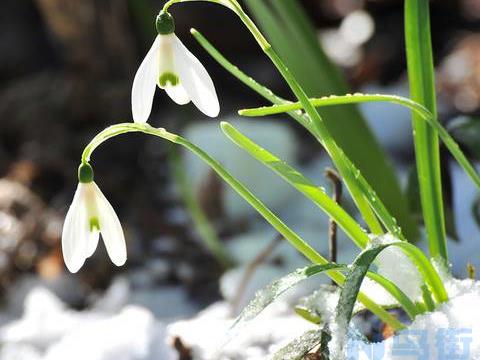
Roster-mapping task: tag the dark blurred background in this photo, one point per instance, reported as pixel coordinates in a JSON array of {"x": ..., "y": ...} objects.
[{"x": 66, "y": 69}]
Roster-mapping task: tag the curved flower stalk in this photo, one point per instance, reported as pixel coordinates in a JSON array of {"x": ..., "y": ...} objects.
[
  {"x": 173, "y": 68},
  {"x": 89, "y": 216}
]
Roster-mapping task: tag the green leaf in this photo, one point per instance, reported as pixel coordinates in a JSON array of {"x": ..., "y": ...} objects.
[
  {"x": 351, "y": 287},
  {"x": 420, "y": 110},
  {"x": 358, "y": 271},
  {"x": 289, "y": 28},
  {"x": 307, "y": 315},
  {"x": 269, "y": 294},
  {"x": 422, "y": 90},
  {"x": 301, "y": 183}
]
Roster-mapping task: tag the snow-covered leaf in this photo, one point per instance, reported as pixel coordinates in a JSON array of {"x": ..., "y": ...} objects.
[
  {"x": 269, "y": 294},
  {"x": 351, "y": 288},
  {"x": 299, "y": 347}
]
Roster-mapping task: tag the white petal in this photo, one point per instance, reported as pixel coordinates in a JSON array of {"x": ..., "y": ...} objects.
[
  {"x": 75, "y": 232},
  {"x": 178, "y": 94},
  {"x": 144, "y": 85},
  {"x": 195, "y": 80},
  {"x": 111, "y": 229},
  {"x": 92, "y": 243}
]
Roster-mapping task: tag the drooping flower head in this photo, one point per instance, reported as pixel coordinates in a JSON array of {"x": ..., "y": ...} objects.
[
  {"x": 173, "y": 68},
  {"x": 90, "y": 215}
]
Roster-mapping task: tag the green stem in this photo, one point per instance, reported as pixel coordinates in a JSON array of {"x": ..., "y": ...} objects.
[
  {"x": 295, "y": 240},
  {"x": 422, "y": 90},
  {"x": 329, "y": 143}
]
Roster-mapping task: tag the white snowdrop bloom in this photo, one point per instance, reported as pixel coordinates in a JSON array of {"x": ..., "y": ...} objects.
[
  {"x": 89, "y": 216},
  {"x": 172, "y": 67}
]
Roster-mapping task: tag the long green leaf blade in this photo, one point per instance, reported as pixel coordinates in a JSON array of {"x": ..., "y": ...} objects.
[
  {"x": 295, "y": 240},
  {"x": 422, "y": 90},
  {"x": 301, "y": 183},
  {"x": 423, "y": 115},
  {"x": 350, "y": 290}
]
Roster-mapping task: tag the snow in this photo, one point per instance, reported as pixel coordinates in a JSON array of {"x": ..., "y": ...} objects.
[
  {"x": 49, "y": 330},
  {"x": 396, "y": 266},
  {"x": 260, "y": 339},
  {"x": 450, "y": 332}
]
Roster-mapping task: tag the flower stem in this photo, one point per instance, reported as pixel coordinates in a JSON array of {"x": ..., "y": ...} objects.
[{"x": 295, "y": 240}]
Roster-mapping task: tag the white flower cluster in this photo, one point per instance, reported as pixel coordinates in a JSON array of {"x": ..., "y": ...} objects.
[{"x": 173, "y": 68}]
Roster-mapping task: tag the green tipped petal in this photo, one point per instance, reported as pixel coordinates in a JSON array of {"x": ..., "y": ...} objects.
[
  {"x": 168, "y": 78},
  {"x": 94, "y": 224}
]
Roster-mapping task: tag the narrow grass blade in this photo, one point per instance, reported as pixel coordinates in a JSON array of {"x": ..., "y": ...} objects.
[
  {"x": 427, "y": 298},
  {"x": 402, "y": 299},
  {"x": 301, "y": 183},
  {"x": 312, "y": 192},
  {"x": 422, "y": 113},
  {"x": 288, "y": 27},
  {"x": 358, "y": 271},
  {"x": 422, "y": 90}
]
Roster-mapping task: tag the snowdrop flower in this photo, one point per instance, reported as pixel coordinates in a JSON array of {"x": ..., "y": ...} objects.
[
  {"x": 89, "y": 215},
  {"x": 171, "y": 66}
]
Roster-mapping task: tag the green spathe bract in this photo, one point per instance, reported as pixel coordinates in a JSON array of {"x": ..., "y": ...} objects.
[
  {"x": 165, "y": 24},
  {"x": 85, "y": 173}
]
